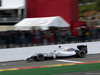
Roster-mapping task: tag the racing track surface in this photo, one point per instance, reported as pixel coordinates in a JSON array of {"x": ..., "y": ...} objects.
[{"x": 22, "y": 64}]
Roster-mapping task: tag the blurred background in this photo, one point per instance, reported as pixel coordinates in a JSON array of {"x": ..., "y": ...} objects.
[
  {"x": 82, "y": 15},
  {"x": 90, "y": 11}
]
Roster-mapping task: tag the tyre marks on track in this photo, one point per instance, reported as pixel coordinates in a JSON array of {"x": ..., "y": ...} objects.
[{"x": 69, "y": 61}]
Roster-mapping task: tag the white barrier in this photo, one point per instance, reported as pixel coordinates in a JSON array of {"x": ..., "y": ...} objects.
[{"x": 13, "y": 54}]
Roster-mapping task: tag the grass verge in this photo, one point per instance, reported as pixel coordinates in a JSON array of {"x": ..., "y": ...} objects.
[{"x": 54, "y": 70}]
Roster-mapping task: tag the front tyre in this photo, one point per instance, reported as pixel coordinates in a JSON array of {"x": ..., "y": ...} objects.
[{"x": 40, "y": 57}]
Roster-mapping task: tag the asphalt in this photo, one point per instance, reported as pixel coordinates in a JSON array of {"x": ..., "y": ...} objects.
[{"x": 22, "y": 64}]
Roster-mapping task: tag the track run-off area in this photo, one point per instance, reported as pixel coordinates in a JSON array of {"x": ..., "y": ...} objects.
[{"x": 47, "y": 67}]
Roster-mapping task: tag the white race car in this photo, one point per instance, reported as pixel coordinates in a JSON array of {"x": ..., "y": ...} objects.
[{"x": 81, "y": 52}]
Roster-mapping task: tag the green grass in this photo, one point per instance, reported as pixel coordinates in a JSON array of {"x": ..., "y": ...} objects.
[
  {"x": 90, "y": 7},
  {"x": 85, "y": 8},
  {"x": 54, "y": 70}
]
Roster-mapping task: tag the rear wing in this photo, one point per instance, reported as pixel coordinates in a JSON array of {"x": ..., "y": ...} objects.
[{"x": 82, "y": 47}]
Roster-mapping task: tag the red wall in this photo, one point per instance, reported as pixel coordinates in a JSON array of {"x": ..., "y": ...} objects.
[{"x": 68, "y": 9}]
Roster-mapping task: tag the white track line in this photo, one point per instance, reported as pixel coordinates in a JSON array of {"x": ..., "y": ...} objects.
[{"x": 69, "y": 61}]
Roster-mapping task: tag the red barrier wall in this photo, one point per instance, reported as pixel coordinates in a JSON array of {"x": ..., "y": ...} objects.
[{"x": 68, "y": 9}]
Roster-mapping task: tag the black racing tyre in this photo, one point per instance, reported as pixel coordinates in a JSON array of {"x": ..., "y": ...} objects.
[
  {"x": 40, "y": 57},
  {"x": 80, "y": 54}
]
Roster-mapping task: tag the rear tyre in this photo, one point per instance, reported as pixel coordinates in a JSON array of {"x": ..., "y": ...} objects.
[
  {"x": 80, "y": 54},
  {"x": 40, "y": 57}
]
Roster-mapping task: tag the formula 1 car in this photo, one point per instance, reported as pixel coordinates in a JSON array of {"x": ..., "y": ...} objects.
[{"x": 81, "y": 52}]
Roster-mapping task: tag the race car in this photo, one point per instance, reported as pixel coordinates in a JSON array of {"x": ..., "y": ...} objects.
[{"x": 81, "y": 52}]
